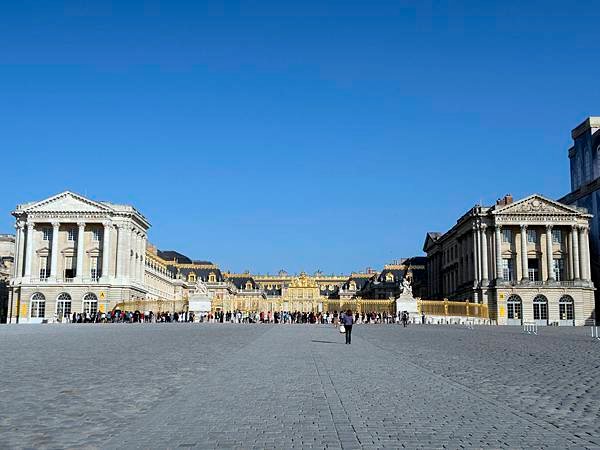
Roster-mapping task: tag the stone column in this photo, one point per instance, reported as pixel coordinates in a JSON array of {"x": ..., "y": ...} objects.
[
  {"x": 54, "y": 251},
  {"x": 80, "y": 248},
  {"x": 119, "y": 250},
  {"x": 588, "y": 262},
  {"x": 484, "y": 254},
  {"x": 524, "y": 263},
  {"x": 498, "y": 237},
  {"x": 18, "y": 255},
  {"x": 142, "y": 258},
  {"x": 570, "y": 255},
  {"x": 475, "y": 254},
  {"x": 132, "y": 252},
  {"x": 583, "y": 254},
  {"x": 549, "y": 256},
  {"x": 29, "y": 250},
  {"x": 106, "y": 251},
  {"x": 575, "y": 240}
]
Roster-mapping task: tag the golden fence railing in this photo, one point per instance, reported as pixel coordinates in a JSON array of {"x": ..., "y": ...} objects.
[{"x": 450, "y": 308}]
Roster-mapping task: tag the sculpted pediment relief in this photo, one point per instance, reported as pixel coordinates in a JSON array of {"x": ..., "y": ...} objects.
[
  {"x": 536, "y": 204},
  {"x": 67, "y": 201}
]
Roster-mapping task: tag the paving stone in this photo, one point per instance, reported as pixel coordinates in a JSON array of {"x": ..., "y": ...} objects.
[{"x": 263, "y": 386}]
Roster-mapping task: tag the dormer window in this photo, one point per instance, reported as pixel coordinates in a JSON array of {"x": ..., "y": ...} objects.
[
  {"x": 248, "y": 284},
  {"x": 389, "y": 277},
  {"x": 352, "y": 285},
  {"x": 192, "y": 277},
  {"x": 212, "y": 278}
]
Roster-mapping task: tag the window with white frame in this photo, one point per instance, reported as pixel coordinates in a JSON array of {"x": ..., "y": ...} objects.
[
  {"x": 507, "y": 236},
  {"x": 69, "y": 267},
  {"x": 47, "y": 233},
  {"x": 557, "y": 236},
  {"x": 94, "y": 273},
  {"x": 63, "y": 305},
  {"x": 507, "y": 269},
  {"x": 72, "y": 234},
  {"x": 44, "y": 269},
  {"x": 90, "y": 304},
  {"x": 558, "y": 266},
  {"x": 38, "y": 306},
  {"x": 96, "y": 234},
  {"x": 533, "y": 269},
  {"x": 531, "y": 236}
]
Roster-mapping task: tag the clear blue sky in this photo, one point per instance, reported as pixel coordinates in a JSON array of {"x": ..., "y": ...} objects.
[{"x": 299, "y": 135}]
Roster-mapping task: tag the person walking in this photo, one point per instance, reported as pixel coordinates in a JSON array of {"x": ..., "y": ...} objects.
[{"x": 347, "y": 321}]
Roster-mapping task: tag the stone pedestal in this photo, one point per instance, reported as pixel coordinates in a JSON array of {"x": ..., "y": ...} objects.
[
  {"x": 200, "y": 304},
  {"x": 409, "y": 304}
]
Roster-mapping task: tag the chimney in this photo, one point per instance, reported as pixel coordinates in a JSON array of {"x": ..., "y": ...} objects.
[{"x": 506, "y": 200}]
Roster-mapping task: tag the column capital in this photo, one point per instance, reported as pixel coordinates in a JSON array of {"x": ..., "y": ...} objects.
[
  {"x": 107, "y": 223},
  {"x": 19, "y": 225},
  {"x": 55, "y": 223},
  {"x": 30, "y": 224},
  {"x": 549, "y": 226},
  {"x": 483, "y": 226},
  {"x": 80, "y": 223},
  {"x": 523, "y": 226},
  {"x": 498, "y": 227}
]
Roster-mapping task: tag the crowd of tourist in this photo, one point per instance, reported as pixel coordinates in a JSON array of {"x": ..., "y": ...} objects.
[{"x": 277, "y": 317}]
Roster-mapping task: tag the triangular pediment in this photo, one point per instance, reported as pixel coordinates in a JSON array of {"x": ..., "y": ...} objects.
[
  {"x": 536, "y": 204},
  {"x": 67, "y": 202}
]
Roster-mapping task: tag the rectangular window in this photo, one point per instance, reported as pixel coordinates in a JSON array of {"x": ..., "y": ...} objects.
[
  {"x": 44, "y": 270},
  {"x": 557, "y": 237},
  {"x": 72, "y": 234},
  {"x": 558, "y": 265},
  {"x": 47, "y": 231},
  {"x": 507, "y": 236},
  {"x": 507, "y": 269},
  {"x": 96, "y": 234},
  {"x": 94, "y": 274},
  {"x": 531, "y": 236},
  {"x": 533, "y": 269},
  {"x": 69, "y": 269}
]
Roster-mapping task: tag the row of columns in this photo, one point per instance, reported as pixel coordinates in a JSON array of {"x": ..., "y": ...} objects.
[
  {"x": 130, "y": 256},
  {"x": 578, "y": 253}
]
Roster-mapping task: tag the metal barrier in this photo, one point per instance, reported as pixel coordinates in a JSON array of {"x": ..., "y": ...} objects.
[
  {"x": 595, "y": 334},
  {"x": 446, "y": 308},
  {"x": 530, "y": 328}
]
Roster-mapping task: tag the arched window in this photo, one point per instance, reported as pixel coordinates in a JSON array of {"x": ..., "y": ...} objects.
[
  {"x": 389, "y": 277},
  {"x": 248, "y": 284},
  {"x": 63, "y": 305},
  {"x": 353, "y": 285},
  {"x": 90, "y": 303},
  {"x": 540, "y": 309},
  {"x": 38, "y": 306},
  {"x": 566, "y": 310},
  {"x": 212, "y": 278},
  {"x": 514, "y": 310}
]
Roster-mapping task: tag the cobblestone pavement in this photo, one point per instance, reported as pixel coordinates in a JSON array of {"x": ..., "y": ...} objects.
[{"x": 262, "y": 386}]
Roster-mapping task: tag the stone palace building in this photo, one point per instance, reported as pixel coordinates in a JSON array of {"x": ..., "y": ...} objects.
[
  {"x": 73, "y": 254},
  {"x": 528, "y": 260}
]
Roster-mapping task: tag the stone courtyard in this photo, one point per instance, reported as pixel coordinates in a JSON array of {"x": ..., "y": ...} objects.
[{"x": 297, "y": 386}]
